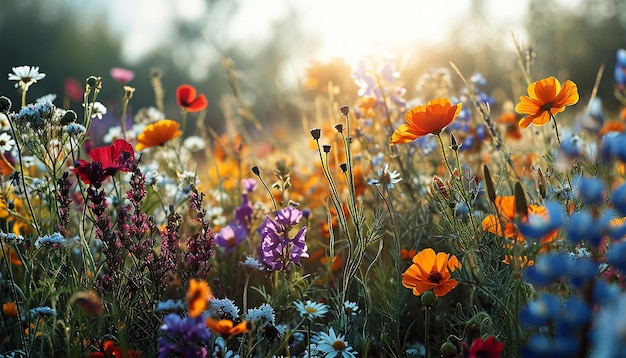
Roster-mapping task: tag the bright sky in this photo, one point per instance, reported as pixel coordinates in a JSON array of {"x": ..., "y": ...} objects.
[{"x": 345, "y": 28}]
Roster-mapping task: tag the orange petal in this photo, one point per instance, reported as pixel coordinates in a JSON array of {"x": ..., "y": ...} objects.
[{"x": 568, "y": 95}]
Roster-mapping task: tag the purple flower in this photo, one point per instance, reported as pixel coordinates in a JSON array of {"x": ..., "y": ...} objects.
[
  {"x": 276, "y": 248},
  {"x": 230, "y": 236},
  {"x": 186, "y": 337},
  {"x": 249, "y": 185}
]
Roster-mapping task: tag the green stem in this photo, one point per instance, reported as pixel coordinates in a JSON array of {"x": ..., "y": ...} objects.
[
  {"x": 123, "y": 119},
  {"x": 427, "y": 331},
  {"x": 24, "y": 90}
]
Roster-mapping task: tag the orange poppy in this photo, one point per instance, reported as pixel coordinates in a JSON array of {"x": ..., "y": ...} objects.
[
  {"x": 431, "y": 271},
  {"x": 545, "y": 98},
  {"x": 188, "y": 99},
  {"x": 506, "y": 207},
  {"x": 9, "y": 309},
  {"x": 407, "y": 255},
  {"x": 612, "y": 126},
  {"x": 158, "y": 133},
  {"x": 198, "y": 295},
  {"x": 226, "y": 327},
  {"x": 426, "y": 119}
]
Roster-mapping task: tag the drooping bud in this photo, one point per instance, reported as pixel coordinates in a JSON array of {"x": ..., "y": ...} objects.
[{"x": 316, "y": 133}]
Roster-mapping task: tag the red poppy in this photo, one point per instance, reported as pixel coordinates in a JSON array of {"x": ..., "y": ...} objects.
[
  {"x": 106, "y": 161},
  {"x": 188, "y": 100},
  {"x": 488, "y": 348},
  {"x": 110, "y": 349}
]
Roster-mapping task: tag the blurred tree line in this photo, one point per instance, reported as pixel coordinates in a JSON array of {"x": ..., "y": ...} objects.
[{"x": 51, "y": 34}]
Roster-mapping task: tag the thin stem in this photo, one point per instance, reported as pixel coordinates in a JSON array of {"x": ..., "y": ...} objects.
[
  {"x": 24, "y": 90},
  {"x": 126, "y": 99},
  {"x": 427, "y": 331}
]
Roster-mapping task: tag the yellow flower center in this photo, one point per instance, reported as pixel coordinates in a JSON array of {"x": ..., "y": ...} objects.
[
  {"x": 434, "y": 276},
  {"x": 339, "y": 345},
  {"x": 310, "y": 310}
]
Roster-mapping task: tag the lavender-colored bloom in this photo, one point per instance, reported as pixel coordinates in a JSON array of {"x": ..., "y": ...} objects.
[
  {"x": 54, "y": 240},
  {"x": 249, "y": 185},
  {"x": 276, "y": 248},
  {"x": 170, "y": 306},
  {"x": 74, "y": 129},
  {"x": 11, "y": 238},
  {"x": 223, "y": 308},
  {"x": 230, "y": 236}
]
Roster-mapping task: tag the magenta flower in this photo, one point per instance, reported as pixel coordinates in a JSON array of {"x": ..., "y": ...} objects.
[
  {"x": 230, "y": 236},
  {"x": 122, "y": 75}
]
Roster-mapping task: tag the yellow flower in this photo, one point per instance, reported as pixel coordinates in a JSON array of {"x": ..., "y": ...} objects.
[
  {"x": 430, "y": 118},
  {"x": 431, "y": 271},
  {"x": 158, "y": 133},
  {"x": 198, "y": 295},
  {"x": 226, "y": 327},
  {"x": 545, "y": 99}
]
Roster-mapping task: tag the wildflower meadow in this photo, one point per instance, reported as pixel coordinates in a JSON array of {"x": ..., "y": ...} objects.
[{"x": 448, "y": 223}]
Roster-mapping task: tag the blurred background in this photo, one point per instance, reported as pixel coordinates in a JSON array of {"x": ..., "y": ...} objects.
[{"x": 286, "y": 50}]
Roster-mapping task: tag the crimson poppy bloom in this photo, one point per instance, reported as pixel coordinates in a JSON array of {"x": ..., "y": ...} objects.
[
  {"x": 489, "y": 348},
  {"x": 188, "y": 100},
  {"x": 110, "y": 349},
  {"x": 106, "y": 161}
]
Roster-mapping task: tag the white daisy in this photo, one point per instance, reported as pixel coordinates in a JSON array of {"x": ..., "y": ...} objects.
[
  {"x": 6, "y": 142},
  {"x": 97, "y": 110},
  {"x": 386, "y": 178},
  {"x": 112, "y": 134},
  {"x": 311, "y": 309},
  {"x": 351, "y": 308},
  {"x": 194, "y": 143},
  {"x": 26, "y": 76},
  {"x": 334, "y": 345}
]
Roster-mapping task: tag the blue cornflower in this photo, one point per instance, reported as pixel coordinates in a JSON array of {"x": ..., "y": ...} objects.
[
  {"x": 608, "y": 330},
  {"x": 186, "y": 337},
  {"x": 170, "y": 306},
  {"x": 540, "y": 311},
  {"x": 43, "y": 311},
  {"x": 53, "y": 240},
  {"x": 547, "y": 268},
  {"x": 74, "y": 129},
  {"x": 591, "y": 190},
  {"x": 582, "y": 226},
  {"x": 613, "y": 147},
  {"x": 264, "y": 314},
  {"x": 617, "y": 256},
  {"x": 538, "y": 226},
  {"x": 618, "y": 198},
  {"x": 223, "y": 308}
]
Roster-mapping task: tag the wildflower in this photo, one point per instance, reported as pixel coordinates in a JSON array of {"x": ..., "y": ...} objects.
[
  {"x": 106, "y": 161},
  {"x": 431, "y": 270},
  {"x": 276, "y": 248},
  {"x": 185, "y": 337},
  {"x": 333, "y": 345},
  {"x": 431, "y": 118},
  {"x": 9, "y": 309},
  {"x": 198, "y": 294},
  {"x": 43, "y": 311},
  {"x": 6, "y": 142},
  {"x": 619, "y": 74},
  {"x": 73, "y": 89},
  {"x": 170, "y": 306},
  {"x": 545, "y": 99},
  {"x": 10, "y": 238},
  {"x": 121, "y": 75},
  {"x": 350, "y": 308},
  {"x": 188, "y": 100},
  {"x": 158, "y": 133},
  {"x": 26, "y": 76},
  {"x": 487, "y": 348},
  {"x": 251, "y": 264},
  {"x": 194, "y": 143},
  {"x": 230, "y": 236},
  {"x": 264, "y": 314},
  {"x": 75, "y": 129},
  {"x": 54, "y": 240},
  {"x": 110, "y": 349},
  {"x": 310, "y": 309},
  {"x": 223, "y": 308},
  {"x": 386, "y": 178},
  {"x": 608, "y": 330},
  {"x": 226, "y": 327},
  {"x": 407, "y": 255},
  {"x": 97, "y": 110}
]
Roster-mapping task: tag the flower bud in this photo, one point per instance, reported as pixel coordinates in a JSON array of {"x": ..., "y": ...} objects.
[
  {"x": 5, "y": 104},
  {"x": 256, "y": 170},
  {"x": 316, "y": 133},
  {"x": 428, "y": 298},
  {"x": 345, "y": 110},
  {"x": 339, "y": 127},
  {"x": 68, "y": 117},
  {"x": 448, "y": 350},
  {"x": 326, "y": 148}
]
